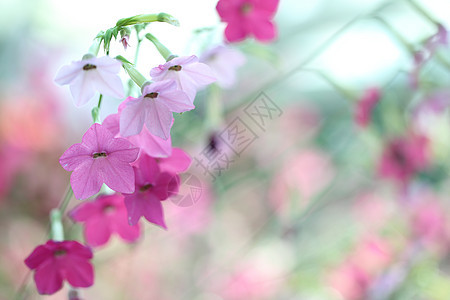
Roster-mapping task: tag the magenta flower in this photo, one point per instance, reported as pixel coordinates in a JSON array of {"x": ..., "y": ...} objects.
[
  {"x": 55, "y": 262},
  {"x": 87, "y": 76},
  {"x": 365, "y": 106},
  {"x": 104, "y": 216},
  {"x": 403, "y": 158},
  {"x": 224, "y": 62},
  {"x": 187, "y": 72},
  {"x": 100, "y": 158},
  {"x": 154, "y": 109},
  {"x": 152, "y": 187},
  {"x": 147, "y": 143},
  {"x": 248, "y": 18}
]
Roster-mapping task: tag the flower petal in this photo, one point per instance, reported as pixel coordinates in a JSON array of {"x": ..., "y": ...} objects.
[
  {"x": 48, "y": 278},
  {"x": 159, "y": 119},
  {"x": 82, "y": 90},
  {"x": 133, "y": 116},
  {"x": 79, "y": 272},
  {"x": 38, "y": 256},
  {"x": 147, "y": 205},
  {"x": 97, "y": 231}
]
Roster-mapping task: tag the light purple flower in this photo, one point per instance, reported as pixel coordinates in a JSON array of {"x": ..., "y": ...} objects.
[
  {"x": 188, "y": 73},
  {"x": 152, "y": 187},
  {"x": 100, "y": 158},
  {"x": 145, "y": 141},
  {"x": 154, "y": 109},
  {"x": 224, "y": 62},
  {"x": 87, "y": 76}
]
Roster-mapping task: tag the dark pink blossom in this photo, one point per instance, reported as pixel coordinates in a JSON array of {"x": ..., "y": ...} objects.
[
  {"x": 248, "y": 18},
  {"x": 187, "y": 72},
  {"x": 152, "y": 187},
  {"x": 404, "y": 157},
  {"x": 100, "y": 158},
  {"x": 104, "y": 216},
  {"x": 55, "y": 262},
  {"x": 365, "y": 106},
  {"x": 154, "y": 109}
]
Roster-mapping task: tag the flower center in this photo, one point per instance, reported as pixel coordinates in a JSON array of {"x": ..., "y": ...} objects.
[
  {"x": 146, "y": 187},
  {"x": 60, "y": 252},
  {"x": 88, "y": 67},
  {"x": 246, "y": 8},
  {"x": 175, "y": 68},
  {"x": 109, "y": 209},
  {"x": 100, "y": 154},
  {"x": 152, "y": 95}
]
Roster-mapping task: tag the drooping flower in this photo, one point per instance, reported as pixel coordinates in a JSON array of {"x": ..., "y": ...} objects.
[
  {"x": 100, "y": 158},
  {"x": 365, "y": 106},
  {"x": 188, "y": 73},
  {"x": 125, "y": 41},
  {"x": 104, "y": 216},
  {"x": 224, "y": 62},
  {"x": 248, "y": 18},
  {"x": 404, "y": 157},
  {"x": 55, "y": 262},
  {"x": 146, "y": 142},
  {"x": 152, "y": 187},
  {"x": 87, "y": 76},
  {"x": 154, "y": 109}
]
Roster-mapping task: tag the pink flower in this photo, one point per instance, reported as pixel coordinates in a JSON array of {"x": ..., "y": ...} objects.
[
  {"x": 104, "y": 216},
  {"x": 87, "y": 76},
  {"x": 224, "y": 62},
  {"x": 366, "y": 105},
  {"x": 125, "y": 41},
  {"x": 188, "y": 73},
  {"x": 176, "y": 163},
  {"x": 146, "y": 142},
  {"x": 100, "y": 158},
  {"x": 404, "y": 157},
  {"x": 248, "y": 18},
  {"x": 154, "y": 109},
  {"x": 152, "y": 187},
  {"x": 58, "y": 261}
]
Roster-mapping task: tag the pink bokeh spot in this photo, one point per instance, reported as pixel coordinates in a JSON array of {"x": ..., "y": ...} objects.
[
  {"x": 366, "y": 105},
  {"x": 100, "y": 158},
  {"x": 248, "y": 18},
  {"x": 103, "y": 217},
  {"x": 403, "y": 158},
  {"x": 55, "y": 262}
]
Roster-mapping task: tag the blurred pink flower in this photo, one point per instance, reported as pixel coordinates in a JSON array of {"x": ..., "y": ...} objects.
[
  {"x": 365, "y": 106},
  {"x": 300, "y": 179},
  {"x": 404, "y": 157},
  {"x": 350, "y": 281},
  {"x": 248, "y": 17},
  {"x": 147, "y": 143},
  {"x": 152, "y": 187},
  {"x": 104, "y": 216},
  {"x": 187, "y": 72},
  {"x": 55, "y": 262},
  {"x": 429, "y": 222},
  {"x": 100, "y": 158},
  {"x": 154, "y": 109},
  {"x": 224, "y": 62},
  {"x": 87, "y": 76}
]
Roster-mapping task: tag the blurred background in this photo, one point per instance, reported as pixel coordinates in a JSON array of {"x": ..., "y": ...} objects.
[{"x": 330, "y": 197}]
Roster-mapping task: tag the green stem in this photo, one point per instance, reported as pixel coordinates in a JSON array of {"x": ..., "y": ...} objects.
[
  {"x": 96, "y": 110},
  {"x": 160, "y": 47},
  {"x": 57, "y": 229},
  {"x": 422, "y": 11}
]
